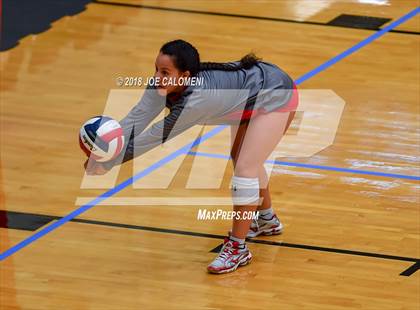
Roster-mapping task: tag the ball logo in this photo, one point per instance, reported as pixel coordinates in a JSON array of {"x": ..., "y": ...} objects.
[{"x": 86, "y": 141}]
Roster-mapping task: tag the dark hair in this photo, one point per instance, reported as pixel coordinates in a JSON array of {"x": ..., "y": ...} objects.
[
  {"x": 187, "y": 58},
  {"x": 246, "y": 62}
]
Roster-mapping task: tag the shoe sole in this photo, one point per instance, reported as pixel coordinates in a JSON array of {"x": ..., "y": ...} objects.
[
  {"x": 243, "y": 262},
  {"x": 266, "y": 232}
]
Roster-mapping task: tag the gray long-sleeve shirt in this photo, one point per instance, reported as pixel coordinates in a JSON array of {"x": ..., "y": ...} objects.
[{"x": 222, "y": 92}]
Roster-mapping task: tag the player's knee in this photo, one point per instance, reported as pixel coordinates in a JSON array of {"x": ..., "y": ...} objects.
[
  {"x": 245, "y": 191},
  {"x": 246, "y": 169}
]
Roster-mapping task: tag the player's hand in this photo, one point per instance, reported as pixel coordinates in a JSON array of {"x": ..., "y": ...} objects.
[{"x": 93, "y": 167}]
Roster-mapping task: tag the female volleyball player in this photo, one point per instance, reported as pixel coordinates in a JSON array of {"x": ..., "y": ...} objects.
[{"x": 256, "y": 98}]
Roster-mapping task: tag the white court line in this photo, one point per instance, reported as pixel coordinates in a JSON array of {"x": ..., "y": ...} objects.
[{"x": 158, "y": 201}]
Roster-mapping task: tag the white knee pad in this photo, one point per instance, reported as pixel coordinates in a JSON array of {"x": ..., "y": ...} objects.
[{"x": 245, "y": 191}]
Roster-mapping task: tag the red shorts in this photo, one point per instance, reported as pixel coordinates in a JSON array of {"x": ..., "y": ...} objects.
[{"x": 290, "y": 106}]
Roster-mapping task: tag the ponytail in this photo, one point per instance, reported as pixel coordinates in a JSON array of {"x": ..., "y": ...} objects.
[
  {"x": 187, "y": 58},
  {"x": 246, "y": 62}
]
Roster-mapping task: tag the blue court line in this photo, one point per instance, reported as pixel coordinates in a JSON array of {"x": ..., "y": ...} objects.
[
  {"x": 358, "y": 46},
  {"x": 109, "y": 193},
  {"x": 185, "y": 149},
  {"x": 329, "y": 168}
]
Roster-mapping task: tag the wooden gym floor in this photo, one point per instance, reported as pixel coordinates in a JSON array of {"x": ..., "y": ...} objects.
[{"x": 351, "y": 212}]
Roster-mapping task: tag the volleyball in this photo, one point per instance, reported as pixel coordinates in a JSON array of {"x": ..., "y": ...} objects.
[{"x": 101, "y": 138}]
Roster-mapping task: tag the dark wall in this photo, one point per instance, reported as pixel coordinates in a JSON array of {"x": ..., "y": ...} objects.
[{"x": 23, "y": 17}]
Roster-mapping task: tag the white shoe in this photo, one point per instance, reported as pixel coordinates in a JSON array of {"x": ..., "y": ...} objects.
[
  {"x": 264, "y": 227},
  {"x": 230, "y": 257}
]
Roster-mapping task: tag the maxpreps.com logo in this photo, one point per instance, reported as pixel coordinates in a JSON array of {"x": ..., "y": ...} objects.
[
  {"x": 314, "y": 129},
  {"x": 219, "y": 214}
]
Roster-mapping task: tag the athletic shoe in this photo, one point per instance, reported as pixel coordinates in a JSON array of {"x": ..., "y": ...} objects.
[
  {"x": 264, "y": 227},
  {"x": 231, "y": 256}
]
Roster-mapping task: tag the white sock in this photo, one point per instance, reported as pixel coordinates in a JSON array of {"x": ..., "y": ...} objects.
[
  {"x": 266, "y": 214},
  {"x": 240, "y": 241}
]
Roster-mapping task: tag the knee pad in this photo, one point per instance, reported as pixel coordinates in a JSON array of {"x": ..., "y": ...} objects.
[{"x": 245, "y": 191}]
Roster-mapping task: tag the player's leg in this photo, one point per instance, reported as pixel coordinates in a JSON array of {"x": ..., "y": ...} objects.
[
  {"x": 237, "y": 135},
  {"x": 267, "y": 223},
  {"x": 245, "y": 185},
  {"x": 262, "y": 135}
]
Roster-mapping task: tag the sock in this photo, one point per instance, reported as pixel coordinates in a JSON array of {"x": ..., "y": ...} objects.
[
  {"x": 266, "y": 214},
  {"x": 240, "y": 241}
]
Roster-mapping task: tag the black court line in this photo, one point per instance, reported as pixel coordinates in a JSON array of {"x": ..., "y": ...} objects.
[
  {"x": 408, "y": 272},
  {"x": 23, "y": 221},
  {"x": 412, "y": 269},
  {"x": 274, "y": 19},
  {"x": 331, "y": 250},
  {"x": 358, "y": 21}
]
